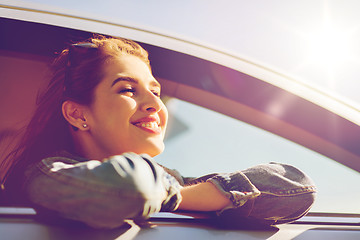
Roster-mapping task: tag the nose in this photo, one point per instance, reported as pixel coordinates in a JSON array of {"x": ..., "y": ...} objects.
[{"x": 151, "y": 103}]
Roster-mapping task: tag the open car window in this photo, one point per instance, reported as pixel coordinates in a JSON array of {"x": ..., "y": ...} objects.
[
  {"x": 228, "y": 109},
  {"x": 201, "y": 141}
]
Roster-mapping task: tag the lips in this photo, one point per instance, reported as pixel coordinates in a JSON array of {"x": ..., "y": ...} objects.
[{"x": 148, "y": 124}]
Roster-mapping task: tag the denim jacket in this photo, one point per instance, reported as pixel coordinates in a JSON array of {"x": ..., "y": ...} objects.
[{"x": 103, "y": 194}]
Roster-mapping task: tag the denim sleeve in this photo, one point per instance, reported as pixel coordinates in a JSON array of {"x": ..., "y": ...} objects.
[
  {"x": 268, "y": 193},
  {"x": 102, "y": 194}
]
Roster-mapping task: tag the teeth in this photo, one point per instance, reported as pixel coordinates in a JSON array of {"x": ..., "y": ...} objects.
[{"x": 148, "y": 124}]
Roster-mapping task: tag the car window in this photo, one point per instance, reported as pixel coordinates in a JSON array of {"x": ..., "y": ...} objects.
[{"x": 200, "y": 141}]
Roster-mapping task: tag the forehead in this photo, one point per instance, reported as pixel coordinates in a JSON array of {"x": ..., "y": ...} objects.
[{"x": 128, "y": 66}]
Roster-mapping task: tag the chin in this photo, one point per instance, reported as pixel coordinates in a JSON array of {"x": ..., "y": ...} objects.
[{"x": 154, "y": 150}]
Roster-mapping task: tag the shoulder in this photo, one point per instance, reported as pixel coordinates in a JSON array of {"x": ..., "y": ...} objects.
[{"x": 52, "y": 166}]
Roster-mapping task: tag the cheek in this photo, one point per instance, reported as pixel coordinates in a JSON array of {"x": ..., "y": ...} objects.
[
  {"x": 114, "y": 111},
  {"x": 122, "y": 111},
  {"x": 122, "y": 103}
]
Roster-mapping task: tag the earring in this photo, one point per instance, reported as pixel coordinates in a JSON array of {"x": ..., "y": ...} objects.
[{"x": 85, "y": 125}]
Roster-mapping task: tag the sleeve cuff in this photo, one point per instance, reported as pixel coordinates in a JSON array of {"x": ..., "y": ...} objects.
[{"x": 236, "y": 187}]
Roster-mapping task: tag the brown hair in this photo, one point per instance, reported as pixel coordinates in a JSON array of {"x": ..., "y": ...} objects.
[{"x": 76, "y": 73}]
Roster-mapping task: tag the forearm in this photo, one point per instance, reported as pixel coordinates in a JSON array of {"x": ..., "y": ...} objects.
[{"x": 203, "y": 197}]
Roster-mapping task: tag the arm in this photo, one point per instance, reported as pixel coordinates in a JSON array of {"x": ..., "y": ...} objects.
[
  {"x": 102, "y": 194},
  {"x": 203, "y": 197},
  {"x": 217, "y": 192},
  {"x": 264, "y": 194}
]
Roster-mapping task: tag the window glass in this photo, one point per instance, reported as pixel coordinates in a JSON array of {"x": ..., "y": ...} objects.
[{"x": 200, "y": 141}]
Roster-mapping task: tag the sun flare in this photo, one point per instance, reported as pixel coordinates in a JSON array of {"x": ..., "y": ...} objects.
[{"x": 329, "y": 48}]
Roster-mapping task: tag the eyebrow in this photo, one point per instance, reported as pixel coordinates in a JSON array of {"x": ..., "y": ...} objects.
[
  {"x": 133, "y": 80},
  {"x": 125, "y": 79}
]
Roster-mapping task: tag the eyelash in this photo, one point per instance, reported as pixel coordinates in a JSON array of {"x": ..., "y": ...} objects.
[
  {"x": 126, "y": 90},
  {"x": 133, "y": 91}
]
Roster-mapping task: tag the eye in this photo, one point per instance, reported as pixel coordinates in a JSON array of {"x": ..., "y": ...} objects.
[{"x": 128, "y": 91}]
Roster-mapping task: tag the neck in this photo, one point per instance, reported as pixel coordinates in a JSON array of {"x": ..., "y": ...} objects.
[{"x": 86, "y": 147}]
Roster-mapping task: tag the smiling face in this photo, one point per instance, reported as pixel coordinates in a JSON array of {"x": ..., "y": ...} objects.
[{"x": 127, "y": 114}]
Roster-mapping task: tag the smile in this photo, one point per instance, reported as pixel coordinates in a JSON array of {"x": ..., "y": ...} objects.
[{"x": 151, "y": 127}]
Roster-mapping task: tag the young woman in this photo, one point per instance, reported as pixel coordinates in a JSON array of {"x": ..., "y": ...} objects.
[{"x": 87, "y": 152}]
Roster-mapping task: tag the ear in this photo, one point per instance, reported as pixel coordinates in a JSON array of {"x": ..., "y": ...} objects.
[{"x": 74, "y": 114}]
